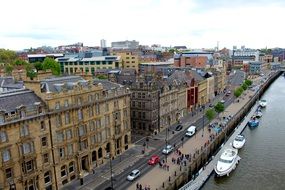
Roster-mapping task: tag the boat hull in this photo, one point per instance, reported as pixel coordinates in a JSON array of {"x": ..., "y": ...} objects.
[{"x": 229, "y": 170}]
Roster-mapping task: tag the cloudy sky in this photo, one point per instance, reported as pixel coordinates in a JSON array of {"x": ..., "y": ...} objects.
[{"x": 194, "y": 23}]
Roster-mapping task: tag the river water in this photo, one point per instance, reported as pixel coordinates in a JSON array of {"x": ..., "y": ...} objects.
[{"x": 262, "y": 164}]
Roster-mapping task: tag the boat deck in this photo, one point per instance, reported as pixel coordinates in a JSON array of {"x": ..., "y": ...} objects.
[{"x": 199, "y": 181}]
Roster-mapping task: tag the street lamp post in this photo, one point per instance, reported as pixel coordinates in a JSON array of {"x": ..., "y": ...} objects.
[{"x": 81, "y": 178}]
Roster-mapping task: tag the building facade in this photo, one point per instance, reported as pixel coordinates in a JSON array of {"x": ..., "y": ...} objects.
[
  {"x": 71, "y": 65},
  {"x": 125, "y": 44},
  {"x": 129, "y": 60},
  {"x": 76, "y": 126}
]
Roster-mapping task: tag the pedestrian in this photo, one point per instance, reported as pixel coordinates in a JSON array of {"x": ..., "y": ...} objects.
[
  {"x": 167, "y": 167},
  {"x": 138, "y": 186}
]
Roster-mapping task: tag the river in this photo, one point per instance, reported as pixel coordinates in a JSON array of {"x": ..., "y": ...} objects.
[{"x": 262, "y": 164}]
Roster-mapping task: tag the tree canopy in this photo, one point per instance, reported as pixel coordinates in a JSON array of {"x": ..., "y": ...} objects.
[
  {"x": 7, "y": 56},
  {"x": 244, "y": 86},
  {"x": 51, "y": 64},
  {"x": 238, "y": 91},
  {"x": 219, "y": 107},
  {"x": 210, "y": 114},
  {"x": 248, "y": 82}
]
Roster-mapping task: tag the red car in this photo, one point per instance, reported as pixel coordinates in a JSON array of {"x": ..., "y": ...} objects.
[{"x": 153, "y": 160}]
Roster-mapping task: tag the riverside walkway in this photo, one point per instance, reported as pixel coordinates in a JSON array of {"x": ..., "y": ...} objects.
[{"x": 198, "y": 182}]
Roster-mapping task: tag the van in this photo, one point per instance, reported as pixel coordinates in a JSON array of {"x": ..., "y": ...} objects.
[{"x": 190, "y": 131}]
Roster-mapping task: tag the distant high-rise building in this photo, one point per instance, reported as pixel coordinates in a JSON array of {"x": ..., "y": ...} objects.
[
  {"x": 103, "y": 43},
  {"x": 125, "y": 44}
]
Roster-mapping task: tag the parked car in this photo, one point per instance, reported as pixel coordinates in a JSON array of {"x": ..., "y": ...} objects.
[
  {"x": 223, "y": 101},
  {"x": 168, "y": 149},
  {"x": 133, "y": 175},
  {"x": 178, "y": 127},
  {"x": 190, "y": 131},
  {"x": 153, "y": 160},
  {"x": 228, "y": 93}
]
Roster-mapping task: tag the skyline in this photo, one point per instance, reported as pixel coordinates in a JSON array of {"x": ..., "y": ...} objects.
[{"x": 195, "y": 24}]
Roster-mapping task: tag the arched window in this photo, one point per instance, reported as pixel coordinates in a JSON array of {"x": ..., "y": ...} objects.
[
  {"x": 126, "y": 139},
  {"x": 94, "y": 156},
  {"x": 47, "y": 177},
  {"x": 100, "y": 154},
  {"x": 108, "y": 148}
]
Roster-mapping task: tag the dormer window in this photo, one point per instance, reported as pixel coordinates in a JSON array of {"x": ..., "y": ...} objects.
[
  {"x": 57, "y": 105},
  {"x": 2, "y": 118},
  {"x": 65, "y": 103}
]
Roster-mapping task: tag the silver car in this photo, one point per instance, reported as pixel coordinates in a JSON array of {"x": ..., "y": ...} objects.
[
  {"x": 168, "y": 149},
  {"x": 133, "y": 175}
]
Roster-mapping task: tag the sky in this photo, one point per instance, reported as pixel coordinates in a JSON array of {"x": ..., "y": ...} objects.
[{"x": 193, "y": 23}]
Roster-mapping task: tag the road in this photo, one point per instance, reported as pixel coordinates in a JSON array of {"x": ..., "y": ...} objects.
[{"x": 120, "y": 182}]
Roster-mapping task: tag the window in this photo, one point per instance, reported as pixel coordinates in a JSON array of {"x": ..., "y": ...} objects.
[
  {"x": 80, "y": 115},
  {"x": 90, "y": 110},
  {"x": 71, "y": 167},
  {"x": 24, "y": 131},
  {"x": 3, "y": 136},
  {"x": 2, "y": 120},
  {"x": 45, "y": 158},
  {"x": 60, "y": 136},
  {"x": 57, "y": 105},
  {"x": 29, "y": 165},
  {"x": 43, "y": 126},
  {"x": 66, "y": 103},
  {"x": 96, "y": 96},
  {"x": 47, "y": 177},
  {"x": 61, "y": 152},
  {"x": 44, "y": 141},
  {"x": 97, "y": 109},
  {"x": 143, "y": 115},
  {"x": 8, "y": 173},
  {"x": 83, "y": 145},
  {"x": 27, "y": 148},
  {"x": 81, "y": 130},
  {"x": 68, "y": 134},
  {"x": 6, "y": 155},
  {"x": 67, "y": 118},
  {"x": 90, "y": 98},
  {"x": 92, "y": 125},
  {"x": 70, "y": 149},
  {"x": 63, "y": 171},
  {"x": 58, "y": 120},
  {"x": 79, "y": 101}
]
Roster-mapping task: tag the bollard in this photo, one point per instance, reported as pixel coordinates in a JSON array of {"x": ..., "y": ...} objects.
[
  {"x": 163, "y": 185},
  {"x": 169, "y": 178},
  {"x": 175, "y": 173},
  {"x": 180, "y": 168}
]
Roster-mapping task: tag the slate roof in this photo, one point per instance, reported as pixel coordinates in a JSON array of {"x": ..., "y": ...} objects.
[
  {"x": 50, "y": 82},
  {"x": 107, "y": 84},
  {"x": 10, "y": 100},
  {"x": 9, "y": 82}
]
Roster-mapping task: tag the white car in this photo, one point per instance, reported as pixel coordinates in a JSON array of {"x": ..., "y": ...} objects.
[
  {"x": 190, "y": 131},
  {"x": 168, "y": 149},
  {"x": 133, "y": 175}
]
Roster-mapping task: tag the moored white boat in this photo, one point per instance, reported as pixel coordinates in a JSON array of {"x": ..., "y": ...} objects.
[
  {"x": 239, "y": 141},
  {"x": 227, "y": 162},
  {"x": 262, "y": 103}
]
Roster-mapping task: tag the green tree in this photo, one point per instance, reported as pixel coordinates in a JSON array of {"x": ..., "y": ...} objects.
[
  {"x": 238, "y": 91},
  {"x": 30, "y": 71},
  {"x": 51, "y": 64},
  {"x": 248, "y": 82},
  {"x": 210, "y": 114},
  {"x": 7, "y": 56},
  {"x": 8, "y": 69},
  {"x": 20, "y": 62},
  {"x": 244, "y": 86},
  {"x": 219, "y": 107},
  {"x": 38, "y": 66}
]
